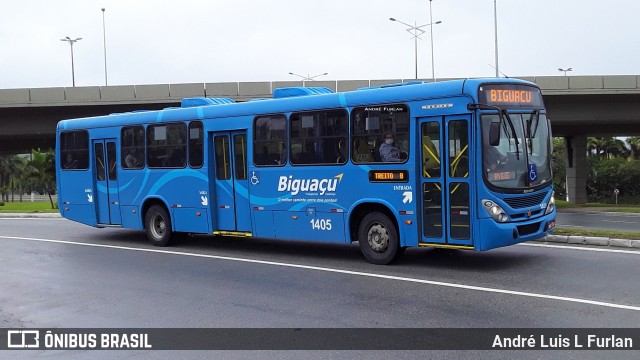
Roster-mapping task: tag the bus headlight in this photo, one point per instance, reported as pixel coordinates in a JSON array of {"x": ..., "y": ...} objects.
[
  {"x": 496, "y": 212},
  {"x": 552, "y": 204}
]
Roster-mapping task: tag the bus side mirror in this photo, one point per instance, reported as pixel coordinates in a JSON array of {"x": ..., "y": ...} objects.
[{"x": 494, "y": 134}]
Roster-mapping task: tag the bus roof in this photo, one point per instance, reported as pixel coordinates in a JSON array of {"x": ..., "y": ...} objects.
[{"x": 290, "y": 101}]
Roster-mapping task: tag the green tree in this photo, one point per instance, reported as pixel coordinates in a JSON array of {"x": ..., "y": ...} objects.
[
  {"x": 559, "y": 168},
  {"x": 633, "y": 142},
  {"x": 606, "y": 147},
  {"x": 41, "y": 169},
  {"x": 10, "y": 166},
  {"x": 609, "y": 174}
]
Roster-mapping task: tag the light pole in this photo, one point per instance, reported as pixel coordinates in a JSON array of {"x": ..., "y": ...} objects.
[
  {"x": 565, "y": 70},
  {"x": 308, "y": 78},
  {"x": 416, "y": 31},
  {"x": 71, "y": 42},
  {"x": 495, "y": 22},
  {"x": 433, "y": 64},
  {"x": 104, "y": 44}
]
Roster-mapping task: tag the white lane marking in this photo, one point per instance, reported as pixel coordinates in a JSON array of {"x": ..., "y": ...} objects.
[
  {"x": 347, "y": 272},
  {"x": 620, "y": 221},
  {"x": 571, "y": 226},
  {"x": 582, "y": 248},
  {"x": 38, "y": 219}
]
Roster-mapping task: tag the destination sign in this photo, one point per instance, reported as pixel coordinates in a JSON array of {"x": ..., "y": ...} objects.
[
  {"x": 510, "y": 96},
  {"x": 388, "y": 176},
  {"x": 501, "y": 176}
]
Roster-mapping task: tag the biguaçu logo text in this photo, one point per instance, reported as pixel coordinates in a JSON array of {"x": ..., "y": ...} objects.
[{"x": 294, "y": 186}]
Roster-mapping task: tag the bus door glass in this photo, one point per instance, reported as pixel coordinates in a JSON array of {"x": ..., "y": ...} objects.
[
  {"x": 231, "y": 182},
  {"x": 106, "y": 197},
  {"x": 432, "y": 181},
  {"x": 458, "y": 183},
  {"x": 445, "y": 178}
]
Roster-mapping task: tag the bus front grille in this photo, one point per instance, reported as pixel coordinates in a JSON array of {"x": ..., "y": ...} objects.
[{"x": 525, "y": 201}]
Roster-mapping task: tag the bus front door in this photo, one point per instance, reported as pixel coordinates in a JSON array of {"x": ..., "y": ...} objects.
[
  {"x": 445, "y": 185},
  {"x": 231, "y": 185},
  {"x": 106, "y": 196}
]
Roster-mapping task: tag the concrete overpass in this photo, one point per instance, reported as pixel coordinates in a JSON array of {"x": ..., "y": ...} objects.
[{"x": 578, "y": 106}]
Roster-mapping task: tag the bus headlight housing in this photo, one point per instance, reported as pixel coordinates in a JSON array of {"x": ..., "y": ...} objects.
[
  {"x": 496, "y": 212},
  {"x": 552, "y": 203}
]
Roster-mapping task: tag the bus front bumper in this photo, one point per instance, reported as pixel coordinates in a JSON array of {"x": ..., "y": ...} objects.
[{"x": 492, "y": 235}]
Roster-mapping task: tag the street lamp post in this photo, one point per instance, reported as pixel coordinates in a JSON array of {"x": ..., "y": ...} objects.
[
  {"x": 104, "y": 44},
  {"x": 565, "y": 70},
  {"x": 495, "y": 19},
  {"x": 433, "y": 64},
  {"x": 307, "y": 78},
  {"x": 71, "y": 42},
  {"x": 416, "y": 31}
]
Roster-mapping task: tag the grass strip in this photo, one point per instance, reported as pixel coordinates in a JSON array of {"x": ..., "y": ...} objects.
[{"x": 27, "y": 207}]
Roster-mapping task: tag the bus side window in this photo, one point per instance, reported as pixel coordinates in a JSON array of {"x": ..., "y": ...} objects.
[
  {"x": 316, "y": 137},
  {"x": 132, "y": 147},
  {"x": 166, "y": 145},
  {"x": 269, "y": 140},
  {"x": 380, "y": 133},
  {"x": 196, "y": 148},
  {"x": 74, "y": 150}
]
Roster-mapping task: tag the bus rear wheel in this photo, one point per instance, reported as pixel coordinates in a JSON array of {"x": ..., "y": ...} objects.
[
  {"x": 158, "y": 226},
  {"x": 378, "y": 239}
]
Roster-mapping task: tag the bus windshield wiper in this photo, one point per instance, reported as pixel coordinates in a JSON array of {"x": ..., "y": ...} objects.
[
  {"x": 534, "y": 129},
  {"x": 502, "y": 114},
  {"x": 513, "y": 131}
]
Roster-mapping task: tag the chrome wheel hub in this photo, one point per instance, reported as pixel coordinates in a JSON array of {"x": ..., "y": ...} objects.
[
  {"x": 378, "y": 238},
  {"x": 158, "y": 226}
]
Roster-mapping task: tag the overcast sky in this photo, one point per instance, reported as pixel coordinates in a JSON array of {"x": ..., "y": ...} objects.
[{"x": 155, "y": 42}]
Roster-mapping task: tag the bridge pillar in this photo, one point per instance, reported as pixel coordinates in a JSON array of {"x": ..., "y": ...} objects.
[{"x": 575, "y": 150}]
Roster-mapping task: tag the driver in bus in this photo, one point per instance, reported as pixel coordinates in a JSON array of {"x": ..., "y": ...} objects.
[
  {"x": 493, "y": 158},
  {"x": 389, "y": 152}
]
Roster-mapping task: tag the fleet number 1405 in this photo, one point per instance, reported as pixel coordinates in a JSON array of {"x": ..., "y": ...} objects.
[{"x": 320, "y": 224}]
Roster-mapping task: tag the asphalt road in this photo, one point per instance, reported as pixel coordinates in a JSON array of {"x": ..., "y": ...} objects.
[
  {"x": 579, "y": 219},
  {"x": 206, "y": 282}
]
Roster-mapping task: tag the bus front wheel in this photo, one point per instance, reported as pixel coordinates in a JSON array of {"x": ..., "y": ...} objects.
[
  {"x": 158, "y": 226},
  {"x": 378, "y": 239}
]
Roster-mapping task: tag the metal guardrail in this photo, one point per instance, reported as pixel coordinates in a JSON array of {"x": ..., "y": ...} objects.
[
  {"x": 119, "y": 94},
  {"x": 28, "y": 197}
]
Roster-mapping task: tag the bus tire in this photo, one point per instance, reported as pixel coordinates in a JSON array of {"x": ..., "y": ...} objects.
[
  {"x": 158, "y": 226},
  {"x": 378, "y": 239}
]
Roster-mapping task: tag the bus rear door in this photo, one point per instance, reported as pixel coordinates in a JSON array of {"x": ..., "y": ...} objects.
[
  {"x": 232, "y": 210},
  {"x": 106, "y": 196},
  {"x": 445, "y": 184}
]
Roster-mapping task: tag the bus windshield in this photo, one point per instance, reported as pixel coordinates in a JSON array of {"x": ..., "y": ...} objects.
[{"x": 521, "y": 158}]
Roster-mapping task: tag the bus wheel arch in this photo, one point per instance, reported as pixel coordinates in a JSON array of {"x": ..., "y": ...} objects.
[
  {"x": 157, "y": 222},
  {"x": 376, "y": 229}
]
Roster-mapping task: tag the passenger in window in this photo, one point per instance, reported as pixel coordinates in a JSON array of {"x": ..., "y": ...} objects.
[
  {"x": 130, "y": 160},
  {"x": 388, "y": 152},
  {"x": 70, "y": 163},
  {"x": 282, "y": 155}
]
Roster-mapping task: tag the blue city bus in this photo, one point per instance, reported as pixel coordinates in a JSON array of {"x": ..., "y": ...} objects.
[{"x": 463, "y": 164}]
